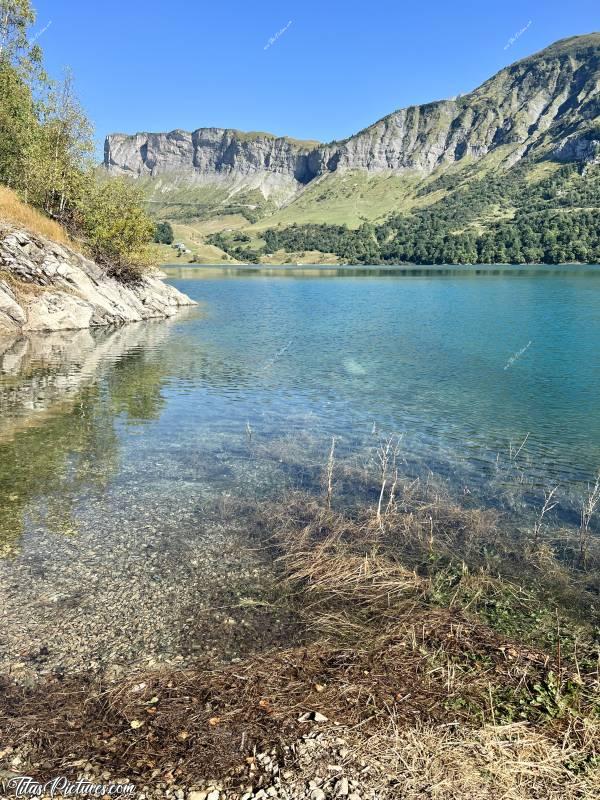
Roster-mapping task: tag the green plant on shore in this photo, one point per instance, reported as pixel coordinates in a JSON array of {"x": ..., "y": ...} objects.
[
  {"x": 46, "y": 149},
  {"x": 116, "y": 226},
  {"x": 163, "y": 233}
]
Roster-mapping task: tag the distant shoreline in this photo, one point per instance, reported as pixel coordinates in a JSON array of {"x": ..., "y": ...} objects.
[{"x": 331, "y": 270}]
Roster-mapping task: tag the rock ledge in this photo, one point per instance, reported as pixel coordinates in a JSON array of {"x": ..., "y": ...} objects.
[{"x": 45, "y": 286}]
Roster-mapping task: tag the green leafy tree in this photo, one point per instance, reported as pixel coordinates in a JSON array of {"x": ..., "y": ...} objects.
[
  {"x": 117, "y": 226},
  {"x": 16, "y": 16},
  {"x": 18, "y": 125},
  {"x": 57, "y": 160},
  {"x": 20, "y": 69},
  {"x": 45, "y": 153},
  {"x": 163, "y": 233}
]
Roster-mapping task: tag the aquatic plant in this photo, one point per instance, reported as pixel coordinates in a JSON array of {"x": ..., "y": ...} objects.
[{"x": 427, "y": 632}]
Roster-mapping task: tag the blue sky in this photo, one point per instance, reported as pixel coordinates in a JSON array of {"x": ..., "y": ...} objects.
[{"x": 333, "y": 69}]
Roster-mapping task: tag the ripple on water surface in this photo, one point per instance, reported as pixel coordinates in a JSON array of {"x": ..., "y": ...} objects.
[{"x": 117, "y": 447}]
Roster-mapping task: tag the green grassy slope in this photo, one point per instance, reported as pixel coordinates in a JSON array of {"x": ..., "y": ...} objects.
[
  {"x": 465, "y": 199},
  {"x": 175, "y": 199},
  {"x": 345, "y": 199},
  {"x": 519, "y": 201}
]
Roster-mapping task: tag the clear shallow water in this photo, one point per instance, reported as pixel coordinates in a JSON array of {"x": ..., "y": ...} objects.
[{"x": 175, "y": 414}]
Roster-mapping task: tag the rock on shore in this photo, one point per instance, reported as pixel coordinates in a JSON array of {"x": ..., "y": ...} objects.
[{"x": 45, "y": 286}]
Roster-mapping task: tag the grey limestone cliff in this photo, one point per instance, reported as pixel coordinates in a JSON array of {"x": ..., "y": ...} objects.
[{"x": 547, "y": 104}]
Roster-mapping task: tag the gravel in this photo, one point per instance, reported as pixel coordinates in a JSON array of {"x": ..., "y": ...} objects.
[
  {"x": 312, "y": 768},
  {"x": 144, "y": 581}
]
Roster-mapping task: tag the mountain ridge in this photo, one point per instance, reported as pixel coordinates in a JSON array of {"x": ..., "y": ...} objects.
[
  {"x": 459, "y": 166},
  {"x": 537, "y": 97}
]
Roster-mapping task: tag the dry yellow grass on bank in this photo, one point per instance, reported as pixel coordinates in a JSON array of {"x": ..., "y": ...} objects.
[{"x": 14, "y": 210}]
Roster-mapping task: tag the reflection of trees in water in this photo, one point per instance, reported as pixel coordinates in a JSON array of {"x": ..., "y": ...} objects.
[
  {"x": 60, "y": 395},
  {"x": 136, "y": 381},
  {"x": 135, "y": 385},
  {"x": 43, "y": 468}
]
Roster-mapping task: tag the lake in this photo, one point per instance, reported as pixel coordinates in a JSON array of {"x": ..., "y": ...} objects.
[{"x": 122, "y": 452}]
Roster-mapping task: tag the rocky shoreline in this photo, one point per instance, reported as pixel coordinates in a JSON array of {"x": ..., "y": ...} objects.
[
  {"x": 45, "y": 286},
  {"x": 401, "y": 680}
]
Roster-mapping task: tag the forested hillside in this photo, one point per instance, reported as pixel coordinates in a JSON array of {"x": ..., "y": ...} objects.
[{"x": 555, "y": 220}]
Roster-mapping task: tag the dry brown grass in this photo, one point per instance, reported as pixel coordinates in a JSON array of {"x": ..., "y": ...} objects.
[
  {"x": 414, "y": 700},
  {"x": 420, "y": 688},
  {"x": 19, "y": 213},
  {"x": 208, "y": 721},
  {"x": 328, "y": 553},
  {"x": 371, "y": 555},
  {"x": 18, "y": 286},
  {"x": 512, "y": 762}
]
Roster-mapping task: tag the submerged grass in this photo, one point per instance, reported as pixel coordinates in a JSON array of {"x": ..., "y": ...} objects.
[{"x": 459, "y": 658}]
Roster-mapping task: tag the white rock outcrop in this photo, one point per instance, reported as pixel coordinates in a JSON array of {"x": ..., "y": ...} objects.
[{"x": 45, "y": 286}]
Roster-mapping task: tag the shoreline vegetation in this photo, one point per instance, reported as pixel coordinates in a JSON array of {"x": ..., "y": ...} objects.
[
  {"x": 76, "y": 248},
  {"x": 438, "y": 651},
  {"x": 50, "y": 286},
  {"x": 196, "y": 270},
  {"x": 49, "y": 181}
]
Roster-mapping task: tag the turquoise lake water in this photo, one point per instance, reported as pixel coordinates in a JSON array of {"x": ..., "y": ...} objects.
[
  {"x": 492, "y": 381},
  {"x": 466, "y": 368}
]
